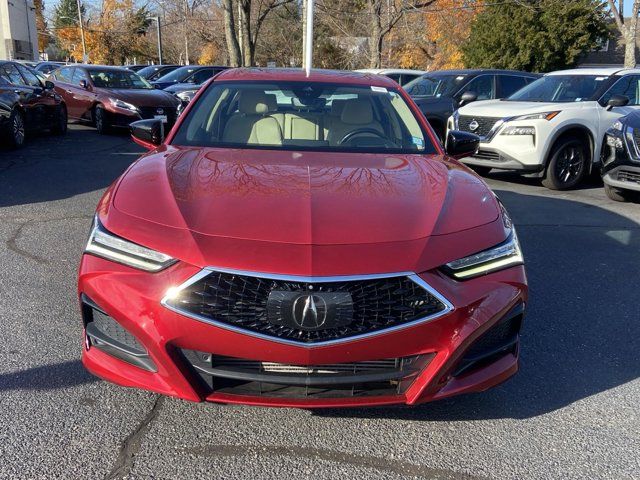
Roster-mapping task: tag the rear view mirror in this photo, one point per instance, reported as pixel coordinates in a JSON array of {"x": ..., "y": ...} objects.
[
  {"x": 48, "y": 85},
  {"x": 617, "y": 101},
  {"x": 462, "y": 144},
  {"x": 468, "y": 97},
  {"x": 147, "y": 133}
]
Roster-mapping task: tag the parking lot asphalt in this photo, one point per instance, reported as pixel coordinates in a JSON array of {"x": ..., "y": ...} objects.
[{"x": 571, "y": 412}]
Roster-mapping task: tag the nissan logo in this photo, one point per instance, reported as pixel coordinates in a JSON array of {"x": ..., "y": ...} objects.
[
  {"x": 474, "y": 125},
  {"x": 159, "y": 111},
  {"x": 309, "y": 311}
]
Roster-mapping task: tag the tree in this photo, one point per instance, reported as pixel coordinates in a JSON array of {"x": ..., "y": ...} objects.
[
  {"x": 241, "y": 42},
  {"x": 66, "y": 14},
  {"x": 41, "y": 25},
  {"x": 628, "y": 28},
  {"x": 535, "y": 35},
  {"x": 384, "y": 15}
]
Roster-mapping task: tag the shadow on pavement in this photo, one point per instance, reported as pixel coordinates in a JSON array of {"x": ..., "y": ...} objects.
[
  {"x": 47, "y": 377},
  {"x": 51, "y": 168},
  {"x": 581, "y": 334}
]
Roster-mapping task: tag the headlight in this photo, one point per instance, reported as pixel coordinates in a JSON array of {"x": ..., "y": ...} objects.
[
  {"x": 537, "y": 116},
  {"x": 125, "y": 105},
  {"x": 187, "y": 95},
  {"x": 107, "y": 245},
  {"x": 505, "y": 255},
  {"x": 514, "y": 130}
]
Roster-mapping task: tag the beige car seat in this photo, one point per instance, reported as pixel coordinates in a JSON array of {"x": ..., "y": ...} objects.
[
  {"x": 252, "y": 124},
  {"x": 356, "y": 114}
]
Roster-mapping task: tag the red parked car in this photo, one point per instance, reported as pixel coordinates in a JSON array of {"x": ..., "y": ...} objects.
[
  {"x": 302, "y": 241},
  {"x": 112, "y": 96}
]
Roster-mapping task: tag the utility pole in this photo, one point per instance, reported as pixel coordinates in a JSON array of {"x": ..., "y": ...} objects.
[
  {"x": 308, "y": 44},
  {"x": 84, "y": 44},
  {"x": 157, "y": 19}
]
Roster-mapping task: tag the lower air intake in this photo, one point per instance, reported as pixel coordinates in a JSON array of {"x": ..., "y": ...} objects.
[{"x": 237, "y": 376}]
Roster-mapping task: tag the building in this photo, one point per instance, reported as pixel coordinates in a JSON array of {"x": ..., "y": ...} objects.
[
  {"x": 609, "y": 51},
  {"x": 18, "y": 33}
]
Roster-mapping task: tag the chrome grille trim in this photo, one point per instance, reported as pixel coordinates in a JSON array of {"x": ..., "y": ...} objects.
[{"x": 296, "y": 278}]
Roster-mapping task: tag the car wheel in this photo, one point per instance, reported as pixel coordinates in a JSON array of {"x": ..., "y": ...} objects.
[
  {"x": 615, "y": 194},
  {"x": 100, "y": 119},
  {"x": 567, "y": 166},
  {"x": 60, "y": 126},
  {"x": 17, "y": 131},
  {"x": 480, "y": 170}
]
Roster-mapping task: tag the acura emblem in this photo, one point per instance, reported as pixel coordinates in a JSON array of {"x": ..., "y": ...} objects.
[
  {"x": 309, "y": 312},
  {"x": 473, "y": 126}
]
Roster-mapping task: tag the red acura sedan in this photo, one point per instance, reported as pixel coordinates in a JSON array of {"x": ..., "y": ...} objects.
[{"x": 302, "y": 241}]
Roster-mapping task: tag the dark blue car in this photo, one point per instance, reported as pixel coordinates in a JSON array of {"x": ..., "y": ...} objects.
[{"x": 194, "y": 74}]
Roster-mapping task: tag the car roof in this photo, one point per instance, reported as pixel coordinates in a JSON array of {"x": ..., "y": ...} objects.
[
  {"x": 597, "y": 71},
  {"x": 383, "y": 71},
  {"x": 477, "y": 71},
  {"x": 299, "y": 75}
]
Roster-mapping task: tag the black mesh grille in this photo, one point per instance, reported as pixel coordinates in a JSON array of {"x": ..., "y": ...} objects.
[
  {"x": 628, "y": 176},
  {"x": 364, "y": 306},
  {"x": 485, "y": 124},
  {"x": 115, "y": 331},
  {"x": 487, "y": 155}
]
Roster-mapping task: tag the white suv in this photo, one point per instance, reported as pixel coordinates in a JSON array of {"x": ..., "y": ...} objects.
[{"x": 554, "y": 127}]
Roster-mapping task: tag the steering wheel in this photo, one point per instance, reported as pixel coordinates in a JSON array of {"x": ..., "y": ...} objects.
[{"x": 361, "y": 131}]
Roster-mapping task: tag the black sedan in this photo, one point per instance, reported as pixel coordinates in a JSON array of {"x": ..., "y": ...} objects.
[
  {"x": 194, "y": 74},
  {"x": 621, "y": 159},
  {"x": 154, "y": 72},
  {"x": 27, "y": 104}
]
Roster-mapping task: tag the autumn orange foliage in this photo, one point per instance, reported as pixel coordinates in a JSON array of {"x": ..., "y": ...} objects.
[{"x": 440, "y": 30}]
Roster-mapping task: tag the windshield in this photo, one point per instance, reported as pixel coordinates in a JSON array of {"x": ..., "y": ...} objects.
[
  {"x": 435, "y": 86},
  {"x": 177, "y": 75},
  {"x": 112, "y": 78},
  {"x": 312, "y": 116},
  {"x": 561, "y": 88}
]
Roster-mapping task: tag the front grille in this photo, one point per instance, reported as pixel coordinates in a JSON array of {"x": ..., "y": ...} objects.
[
  {"x": 628, "y": 176},
  {"x": 306, "y": 312},
  {"x": 636, "y": 137},
  {"x": 487, "y": 155},
  {"x": 237, "y": 376},
  {"x": 151, "y": 112},
  {"x": 485, "y": 124}
]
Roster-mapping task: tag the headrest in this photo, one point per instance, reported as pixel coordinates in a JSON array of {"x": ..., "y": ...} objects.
[
  {"x": 253, "y": 101},
  {"x": 357, "y": 112},
  {"x": 272, "y": 102},
  {"x": 337, "y": 107}
]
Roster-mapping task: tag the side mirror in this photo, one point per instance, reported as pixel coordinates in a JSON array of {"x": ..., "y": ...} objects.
[
  {"x": 84, "y": 84},
  {"x": 461, "y": 144},
  {"x": 147, "y": 133},
  {"x": 617, "y": 101},
  {"x": 49, "y": 85},
  {"x": 468, "y": 97}
]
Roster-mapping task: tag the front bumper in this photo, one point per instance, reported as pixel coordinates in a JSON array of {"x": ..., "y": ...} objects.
[
  {"x": 458, "y": 351},
  {"x": 621, "y": 166},
  {"x": 121, "y": 117}
]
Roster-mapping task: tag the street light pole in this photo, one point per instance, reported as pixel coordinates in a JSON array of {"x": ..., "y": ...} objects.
[
  {"x": 308, "y": 44},
  {"x": 84, "y": 45},
  {"x": 157, "y": 19}
]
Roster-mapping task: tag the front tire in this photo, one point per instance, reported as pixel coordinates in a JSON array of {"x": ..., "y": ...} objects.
[
  {"x": 60, "y": 126},
  {"x": 17, "y": 132},
  {"x": 100, "y": 120},
  {"x": 615, "y": 194},
  {"x": 567, "y": 165}
]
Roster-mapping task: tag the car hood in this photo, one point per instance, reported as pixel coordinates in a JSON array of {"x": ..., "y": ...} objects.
[
  {"x": 181, "y": 87},
  {"x": 506, "y": 108},
  {"x": 142, "y": 98},
  {"x": 305, "y": 198}
]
